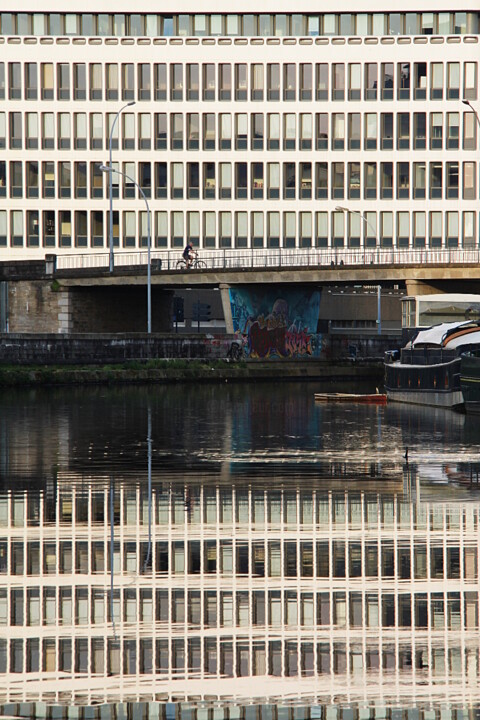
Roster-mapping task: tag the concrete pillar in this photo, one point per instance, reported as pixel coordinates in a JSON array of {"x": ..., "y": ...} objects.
[
  {"x": 417, "y": 287},
  {"x": 227, "y": 308}
]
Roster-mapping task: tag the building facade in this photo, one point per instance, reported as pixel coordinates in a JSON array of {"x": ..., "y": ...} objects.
[
  {"x": 242, "y": 595},
  {"x": 289, "y": 128}
]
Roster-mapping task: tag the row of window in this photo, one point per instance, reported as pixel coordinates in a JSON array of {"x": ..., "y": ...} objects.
[
  {"x": 66, "y": 606},
  {"x": 83, "y": 228},
  {"x": 187, "y": 711},
  {"x": 197, "y": 505},
  {"x": 240, "y": 131},
  {"x": 321, "y": 559},
  {"x": 240, "y": 82},
  {"x": 226, "y": 658},
  {"x": 280, "y": 25},
  {"x": 241, "y": 181}
]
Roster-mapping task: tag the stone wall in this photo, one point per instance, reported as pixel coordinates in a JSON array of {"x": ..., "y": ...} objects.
[
  {"x": 34, "y": 307},
  {"x": 101, "y": 350}
]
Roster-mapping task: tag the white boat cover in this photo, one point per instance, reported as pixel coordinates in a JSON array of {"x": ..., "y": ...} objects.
[
  {"x": 470, "y": 338},
  {"x": 434, "y": 335}
]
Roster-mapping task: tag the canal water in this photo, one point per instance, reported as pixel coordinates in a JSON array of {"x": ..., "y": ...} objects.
[{"x": 239, "y": 551}]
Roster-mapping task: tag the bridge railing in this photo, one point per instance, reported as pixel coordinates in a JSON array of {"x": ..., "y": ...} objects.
[{"x": 254, "y": 258}]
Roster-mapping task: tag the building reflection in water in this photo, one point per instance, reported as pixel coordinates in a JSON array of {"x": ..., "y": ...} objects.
[{"x": 256, "y": 594}]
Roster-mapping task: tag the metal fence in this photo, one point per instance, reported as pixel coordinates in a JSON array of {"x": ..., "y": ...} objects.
[{"x": 226, "y": 259}]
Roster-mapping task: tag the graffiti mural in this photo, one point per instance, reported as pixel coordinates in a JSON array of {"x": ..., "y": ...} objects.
[{"x": 276, "y": 322}]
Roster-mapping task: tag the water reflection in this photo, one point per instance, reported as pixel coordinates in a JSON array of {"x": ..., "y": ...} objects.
[{"x": 271, "y": 558}]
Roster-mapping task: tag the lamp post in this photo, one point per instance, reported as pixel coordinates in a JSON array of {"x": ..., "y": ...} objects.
[
  {"x": 110, "y": 186},
  {"x": 340, "y": 208},
  {"x": 109, "y": 169},
  {"x": 472, "y": 109}
]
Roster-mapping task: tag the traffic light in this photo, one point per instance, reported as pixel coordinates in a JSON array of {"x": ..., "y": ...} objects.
[
  {"x": 201, "y": 312},
  {"x": 178, "y": 311}
]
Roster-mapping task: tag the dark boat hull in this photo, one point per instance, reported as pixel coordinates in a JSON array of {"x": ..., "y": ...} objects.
[
  {"x": 470, "y": 383},
  {"x": 436, "y": 385}
]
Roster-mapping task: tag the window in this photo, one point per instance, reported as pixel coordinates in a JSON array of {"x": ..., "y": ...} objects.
[
  {"x": 386, "y": 131},
  {"x": 452, "y": 179},
  {"x": 32, "y": 180},
  {"x": 289, "y": 131},
  {"x": 353, "y": 181},
  {"x": 225, "y": 220},
  {"x": 387, "y": 81},
  {"x": 176, "y": 72},
  {"x": 16, "y": 183},
  {"x": 63, "y": 131},
  {"x": 14, "y": 81},
  {"x": 209, "y": 131},
  {"x": 321, "y": 131},
  {"x": 321, "y": 229},
  {"x": 160, "y": 120},
  {"x": 452, "y": 241},
  {"x": 128, "y": 121},
  {"x": 386, "y": 229},
  {"x": 209, "y": 229},
  {"x": 48, "y": 180},
  {"x": 257, "y": 81},
  {"x": 306, "y": 131},
  {"x": 321, "y": 81},
  {"x": 469, "y": 131},
  {"x": 306, "y": 81},
  {"x": 16, "y": 134},
  {"x": 289, "y": 184},
  {"x": 209, "y": 81},
  {"x": 225, "y": 81},
  {"x": 225, "y": 131},
  {"x": 289, "y": 81},
  {"x": 241, "y": 181},
  {"x": 193, "y": 81},
  {"x": 273, "y": 177},
  {"x": 470, "y": 81},
  {"x": 65, "y": 181},
  {"x": 403, "y": 131},
  {"x": 453, "y": 81},
  {"x": 419, "y": 180},
  {"x": 161, "y": 180},
  {"x": 371, "y": 81},
  {"x": 63, "y": 81},
  {"x": 420, "y": 81},
  {"x": 257, "y": 231},
  {"x": 31, "y": 81},
  {"x": 96, "y": 88},
  {"x": 371, "y": 131},
  {"x": 469, "y": 223},
  {"x": 436, "y": 81},
  {"x": 453, "y": 131},
  {"x": 47, "y": 81},
  {"x": 209, "y": 182},
  {"x": 338, "y": 233},
  {"x": 257, "y": 131},
  {"x": 273, "y": 82},
  {"x": 338, "y": 131},
  {"x": 273, "y": 229},
  {"x": 225, "y": 180},
  {"x": 403, "y": 180},
  {"x": 419, "y": 130},
  {"x": 144, "y": 81},
  {"x": 177, "y": 180},
  {"x": 289, "y": 231},
  {"x": 436, "y": 232},
  {"x": 436, "y": 180},
  {"x": 354, "y": 81},
  {"x": 240, "y": 81},
  {"x": 403, "y": 84},
  {"x": 338, "y": 181},
  {"x": 354, "y": 131},
  {"x": 321, "y": 181},
  {"x": 386, "y": 180},
  {"x": 177, "y": 131},
  {"x": 305, "y": 180},
  {"x": 160, "y": 80},
  {"x": 241, "y": 131},
  {"x": 370, "y": 180},
  {"x": 338, "y": 81},
  {"x": 80, "y": 170},
  {"x": 436, "y": 131},
  {"x": 469, "y": 183}
]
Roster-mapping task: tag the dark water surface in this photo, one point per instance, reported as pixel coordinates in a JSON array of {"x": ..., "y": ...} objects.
[{"x": 236, "y": 551}]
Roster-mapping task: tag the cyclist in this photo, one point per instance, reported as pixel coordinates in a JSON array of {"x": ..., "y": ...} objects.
[{"x": 188, "y": 254}]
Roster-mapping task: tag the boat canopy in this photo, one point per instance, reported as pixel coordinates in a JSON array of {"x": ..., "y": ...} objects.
[{"x": 434, "y": 336}]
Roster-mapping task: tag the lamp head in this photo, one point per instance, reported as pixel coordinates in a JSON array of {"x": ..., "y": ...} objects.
[
  {"x": 341, "y": 209},
  {"x": 104, "y": 168}
]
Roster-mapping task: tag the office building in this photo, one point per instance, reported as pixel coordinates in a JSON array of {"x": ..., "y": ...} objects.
[{"x": 286, "y": 128}]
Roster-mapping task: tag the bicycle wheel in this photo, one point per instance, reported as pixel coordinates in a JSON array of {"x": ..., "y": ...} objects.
[
  {"x": 181, "y": 265},
  {"x": 201, "y": 265}
]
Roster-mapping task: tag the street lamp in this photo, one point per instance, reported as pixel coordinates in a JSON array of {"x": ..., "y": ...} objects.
[
  {"x": 110, "y": 186},
  {"x": 110, "y": 170},
  {"x": 340, "y": 208}
]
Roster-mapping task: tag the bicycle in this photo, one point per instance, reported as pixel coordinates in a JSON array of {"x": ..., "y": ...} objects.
[{"x": 196, "y": 264}]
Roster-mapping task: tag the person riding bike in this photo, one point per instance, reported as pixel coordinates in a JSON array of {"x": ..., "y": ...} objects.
[{"x": 189, "y": 254}]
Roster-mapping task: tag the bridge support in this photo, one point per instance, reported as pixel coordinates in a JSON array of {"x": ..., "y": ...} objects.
[{"x": 227, "y": 307}]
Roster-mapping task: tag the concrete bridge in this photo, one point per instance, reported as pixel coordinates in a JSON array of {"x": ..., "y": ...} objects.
[{"x": 82, "y": 283}]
